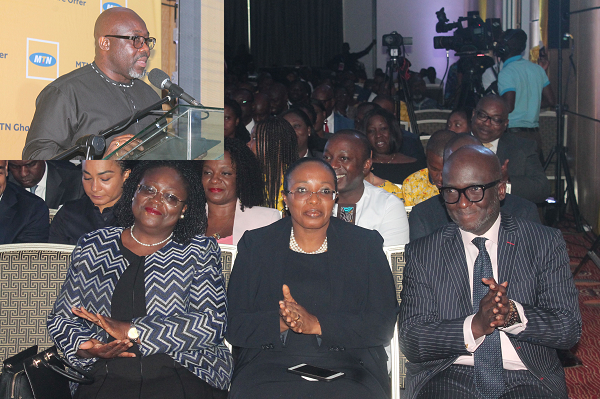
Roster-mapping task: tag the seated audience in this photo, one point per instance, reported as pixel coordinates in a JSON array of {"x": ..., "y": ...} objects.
[
  {"x": 233, "y": 128},
  {"x": 103, "y": 185},
  {"x": 299, "y": 92},
  {"x": 24, "y": 217},
  {"x": 361, "y": 110},
  {"x": 278, "y": 98},
  {"x": 56, "y": 182},
  {"x": 234, "y": 189},
  {"x": 274, "y": 143},
  {"x": 426, "y": 183},
  {"x": 428, "y": 216},
  {"x": 262, "y": 108},
  {"x": 143, "y": 306},
  {"x": 245, "y": 99},
  {"x": 385, "y": 137},
  {"x": 418, "y": 89},
  {"x": 525, "y": 172},
  {"x": 341, "y": 102},
  {"x": 486, "y": 300},
  {"x": 337, "y": 307},
  {"x": 303, "y": 128},
  {"x": 333, "y": 120},
  {"x": 360, "y": 202},
  {"x": 459, "y": 121}
]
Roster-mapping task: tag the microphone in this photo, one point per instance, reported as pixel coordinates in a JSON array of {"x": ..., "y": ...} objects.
[{"x": 161, "y": 80}]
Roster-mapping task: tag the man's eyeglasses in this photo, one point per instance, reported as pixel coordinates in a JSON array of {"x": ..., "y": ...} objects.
[
  {"x": 138, "y": 41},
  {"x": 473, "y": 193},
  {"x": 483, "y": 117},
  {"x": 150, "y": 192},
  {"x": 302, "y": 194}
]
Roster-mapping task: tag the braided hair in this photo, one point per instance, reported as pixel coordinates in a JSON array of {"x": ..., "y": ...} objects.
[
  {"x": 195, "y": 220},
  {"x": 249, "y": 185},
  {"x": 276, "y": 150}
]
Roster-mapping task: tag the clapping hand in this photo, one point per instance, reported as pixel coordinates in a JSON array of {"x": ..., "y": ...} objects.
[
  {"x": 493, "y": 309},
  {"x": 115, "y": 328},
  {"x": 295, "y": 317},
  {"x": 95, "y": 348}
]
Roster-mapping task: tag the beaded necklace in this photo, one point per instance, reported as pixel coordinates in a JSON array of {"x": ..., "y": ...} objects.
[{"x": 296, "y": 248}]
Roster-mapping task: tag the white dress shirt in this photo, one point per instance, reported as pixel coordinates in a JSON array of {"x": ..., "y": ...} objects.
[
  {"x": 40, "y": 190},
  {"x": 510, "y": 359},
  {"x": 380, "y": 210}
]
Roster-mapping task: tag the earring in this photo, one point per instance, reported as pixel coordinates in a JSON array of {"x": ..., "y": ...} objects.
[
  {"x": 285, "y": 206},
  {"x": 182, "y": 216}
]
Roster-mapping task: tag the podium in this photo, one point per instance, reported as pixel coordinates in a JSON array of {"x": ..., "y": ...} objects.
[{"x": 186, "y": 132}]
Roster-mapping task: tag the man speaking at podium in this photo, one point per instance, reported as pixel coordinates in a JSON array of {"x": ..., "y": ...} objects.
[{"x": 95, "y": 97}]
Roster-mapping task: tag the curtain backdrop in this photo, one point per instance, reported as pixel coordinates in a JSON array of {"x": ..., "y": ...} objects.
[{"x": 285, "y": 31}]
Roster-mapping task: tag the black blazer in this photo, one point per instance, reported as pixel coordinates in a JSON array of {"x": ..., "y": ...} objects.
[
  {"x": 364, "y": 305},
  {"x": 436, "y": 299},
  {"x": 62, "y": 184},
  {"x": 526, "y": 174},
  {"x": 24, "y": 217},
  {"x": 429, "y": 215}
]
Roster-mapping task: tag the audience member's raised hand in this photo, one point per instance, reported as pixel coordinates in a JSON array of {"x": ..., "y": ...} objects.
[{"x": 295, "y": 317}]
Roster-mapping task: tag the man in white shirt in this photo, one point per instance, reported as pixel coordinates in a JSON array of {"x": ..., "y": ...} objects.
[
  {"x": 488, "y": 299},
  {"x": 359, "y": 202}
]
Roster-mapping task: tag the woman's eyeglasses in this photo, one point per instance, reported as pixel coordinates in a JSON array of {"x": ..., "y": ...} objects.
[
  {"x": 150, "y": 192},
  {"x": 302, "y": 194}
]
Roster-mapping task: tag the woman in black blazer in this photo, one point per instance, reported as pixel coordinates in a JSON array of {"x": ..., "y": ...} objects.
[{"x": 311, "y": 289}]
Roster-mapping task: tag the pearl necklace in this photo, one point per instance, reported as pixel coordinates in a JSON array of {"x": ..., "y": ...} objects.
[
  {"x": 296, "y": 248},
  {"x": 149, "y": 245}
]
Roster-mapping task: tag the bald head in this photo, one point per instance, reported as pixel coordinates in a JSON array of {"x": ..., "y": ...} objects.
[
  {"x": 118, "y": 58},
  {"x": 473, "y": 188},
  {"x": 358, "y": 140},
  {"x": 474, "y": 156},
  {"x": 386, "y": 102},
  {"x": 324, "y": 93},
  {"x": 460, "y": 140},
  {"x": 438, "y": 140},
  {"x": 115, "y": 21}
]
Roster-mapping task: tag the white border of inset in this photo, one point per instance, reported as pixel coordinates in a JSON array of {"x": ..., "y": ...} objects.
[
  {"x": 113, "y": 1},
  {"x": 27, "y": 59}
]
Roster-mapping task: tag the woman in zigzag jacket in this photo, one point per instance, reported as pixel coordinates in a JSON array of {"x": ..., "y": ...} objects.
[{"x": 143, "y": 307}]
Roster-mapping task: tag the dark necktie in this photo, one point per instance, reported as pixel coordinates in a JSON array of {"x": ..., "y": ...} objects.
[{"x": 489, "y": 380}]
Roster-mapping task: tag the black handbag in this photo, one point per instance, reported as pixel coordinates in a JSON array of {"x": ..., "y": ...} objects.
[{"x": 32, "y": 375}]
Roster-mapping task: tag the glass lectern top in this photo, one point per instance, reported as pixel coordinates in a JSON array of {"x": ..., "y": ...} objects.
[{"x": 185, "y": 132}]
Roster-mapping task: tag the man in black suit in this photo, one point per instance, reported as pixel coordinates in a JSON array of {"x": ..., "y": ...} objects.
[
  {"x": 56, "y": 182},
  {"x": 525, "y": 172},
  {"x": 23, "y": 216},
  {"x": 429, "y": 215},
  {"x": 464, "y": 334}
]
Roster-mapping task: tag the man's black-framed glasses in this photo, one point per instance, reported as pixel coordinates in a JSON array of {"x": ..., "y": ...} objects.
[
  {"x": 138, "y": 41},
  {"x": 473, "y": 193},
  {"x": 484, "y": 117}
]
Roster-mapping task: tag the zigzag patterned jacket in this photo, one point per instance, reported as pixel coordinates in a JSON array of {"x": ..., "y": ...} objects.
[{"x": 185, "y": 302}]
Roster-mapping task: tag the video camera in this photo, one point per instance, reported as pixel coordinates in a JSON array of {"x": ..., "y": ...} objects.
[
  {"x": 393, "y": 41},
  {"x": 477, "y": 37}
]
